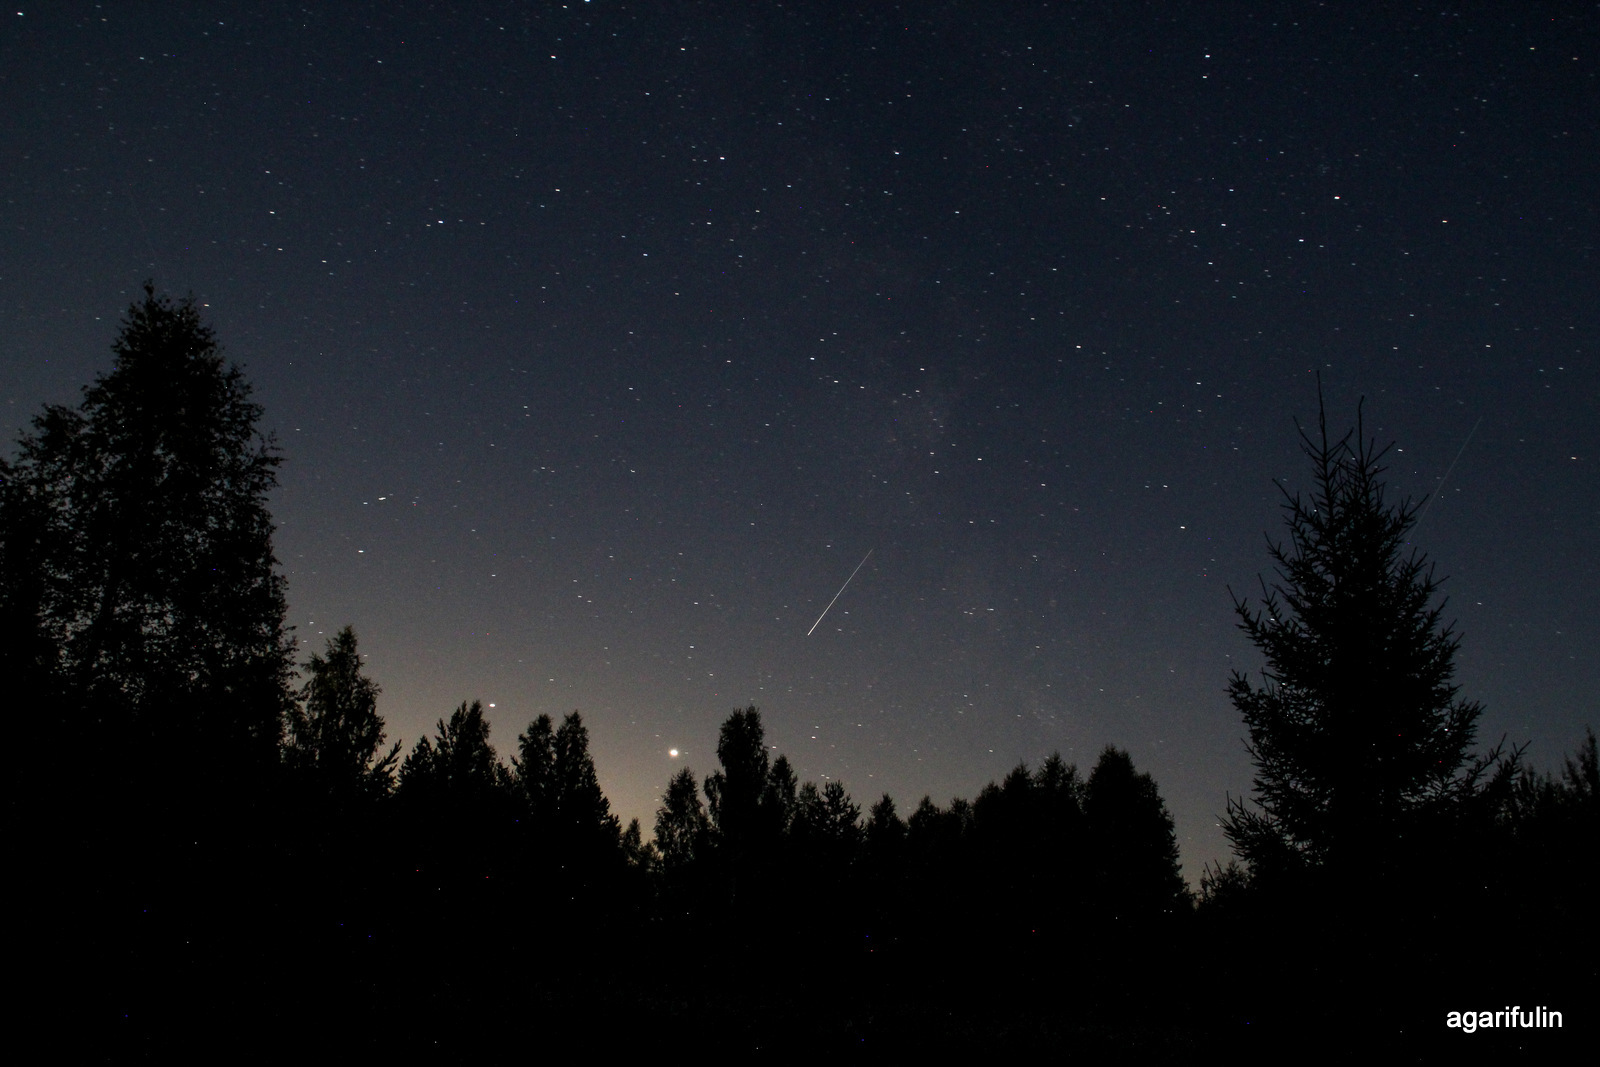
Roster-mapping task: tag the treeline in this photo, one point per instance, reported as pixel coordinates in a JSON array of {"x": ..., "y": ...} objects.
[
  {"x": 219, "y": 853},
  {"x": 751, "y": 866}
]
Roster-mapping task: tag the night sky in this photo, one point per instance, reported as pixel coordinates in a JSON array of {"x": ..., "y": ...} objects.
[{"x": 604, "y": 340}]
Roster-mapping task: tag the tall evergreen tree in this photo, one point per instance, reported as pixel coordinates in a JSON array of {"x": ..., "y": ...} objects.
[
  {"x": 682, "y": 828},
  {"x": 534, "y": 767},
  {"x": 136, "y": 560},
  {"x": 1060, "y": 797},
  {"x": 885, "y": 831},
  {"x": 735, "y": 792},
  {"x": 779, "y": 796},
  {"x": 1134, "y": 845},
  {"x": 1360, "y": 740},
  {"x": 335, "y": 732},
  {"x": 582, "y": 810},
  {"x": 640, "y": 855}
]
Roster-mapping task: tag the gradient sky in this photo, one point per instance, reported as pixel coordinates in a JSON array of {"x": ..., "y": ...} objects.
[{"x": 603, "y": 340}]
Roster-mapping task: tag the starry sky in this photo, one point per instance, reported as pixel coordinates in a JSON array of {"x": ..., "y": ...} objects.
[{"x": 604, "y": 340}]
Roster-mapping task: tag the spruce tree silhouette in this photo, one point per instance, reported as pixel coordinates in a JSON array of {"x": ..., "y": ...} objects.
[
  {"x": 683, "y": 843},
  {"x": 582, "y": 810},
  {"x": 885, "y": 833},
  {"x": 1135, "y": 848},
  {"x": 682, "y": 829},
  {"x": 1360, "y": 741},
  {"x": 534, "y": 768},
  {"x": 335, "y": 732},
  {"x": 780, "y": 795},
  {"x": 839, "y": 822},
  {"x": 1063, "y": 835}
]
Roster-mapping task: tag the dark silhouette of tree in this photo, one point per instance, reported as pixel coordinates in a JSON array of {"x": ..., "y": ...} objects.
[
  {"x": 735, "y": 793},
  {"x": 1061, "y": 849},
  {"x": 749, "y": 806},
  {"x": 142, "y": 615},
  {"x": 567, "y": 848},
  {"x": 31, "y": 532},
  {"x": 335, "y": 732},
  {"x": 827, "y": 826},
  {"x": 136, "y": 555},
  {"x": 1006, "y": 815},
  {"x": 939, "y": 844},
  {"x": 841, "y": 816},
  {"x": 1582, "y": 775},
  {"x": 456, "y": 810},
  {"x": 1223, "y": 887},
  {"x": 884, "y": 864},
  {"x": 1135, "y": 848},
  {"x": 459, "y": 765},
  {"x": 779, "y": 797},
  {"x": 1359, "y": 738},
  {"x": 1007, "y": 849},
  {"x": 1022, "y": 870},
  {"x": 682, "y": 828},
  {"x": 885, "y": 831},
  {"x": 569, "y": 827},
  {"x": 933, "y": 830},
  {"x": 1548, "y": 863},
  {"x": 534, "y": 768},
  {"x": 1060, "y": 789},
  {"x": 640, "y": 855},
  {"x": 582, "y": 811}
]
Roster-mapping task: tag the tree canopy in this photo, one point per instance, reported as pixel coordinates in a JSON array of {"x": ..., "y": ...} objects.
[
  {"x": 335, "y": 732},
  {"x": 1358, "y": 734},
  {"x": 136, "y": 562}
]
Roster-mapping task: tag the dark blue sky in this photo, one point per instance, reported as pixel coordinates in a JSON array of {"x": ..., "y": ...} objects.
[{"x": 603, "y": 340}]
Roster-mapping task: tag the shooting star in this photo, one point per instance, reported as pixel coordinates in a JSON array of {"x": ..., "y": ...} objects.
[
  {"x": 1440, "y": 487},
  {"x": 840, "y": 593}
]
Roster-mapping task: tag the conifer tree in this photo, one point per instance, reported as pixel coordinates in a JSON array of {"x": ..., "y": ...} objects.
[
  {"x": 136, "y": 562},
  {"x": 885, "y": 831},
  {"x": 335, "y": 732},
  {"x": 779, "y": 797},
  {"x": 534, "y": 769},
  {"x": 682, "y": 828},
  {"x": 1360, "y": 740},
  {"x": 1133, "y": 841},
  {"x": 582, "y": 810}
]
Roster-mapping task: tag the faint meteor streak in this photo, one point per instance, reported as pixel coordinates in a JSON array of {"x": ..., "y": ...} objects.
[
  {"x": 840, "y": 593},
  {"x": 1440, "y": 487}
]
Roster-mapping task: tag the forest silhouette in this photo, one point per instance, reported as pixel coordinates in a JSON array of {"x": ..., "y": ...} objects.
[{"x": 222, "y": 854}]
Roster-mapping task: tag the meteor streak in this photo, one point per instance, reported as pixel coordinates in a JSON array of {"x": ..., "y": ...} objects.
[
  {"x": 1440, "y": 487},
  {"x": 840, "y": 593}
]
